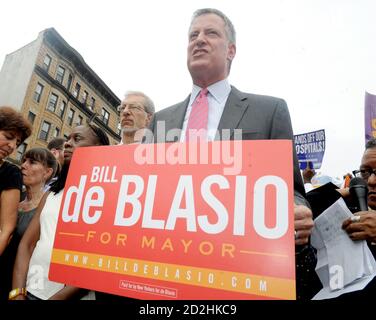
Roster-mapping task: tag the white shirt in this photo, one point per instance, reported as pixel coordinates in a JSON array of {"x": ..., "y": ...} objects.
[
  {"x": 37, "y": 282},
  {"x": 217, "y": 97}
]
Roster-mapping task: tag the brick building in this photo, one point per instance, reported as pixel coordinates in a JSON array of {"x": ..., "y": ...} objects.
[{"x": 50, "y": 83}]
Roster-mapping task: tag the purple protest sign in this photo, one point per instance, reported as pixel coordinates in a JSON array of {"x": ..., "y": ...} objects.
[
  {"x": 370, "y": 116},
  {"x": 310, "y": 149}
]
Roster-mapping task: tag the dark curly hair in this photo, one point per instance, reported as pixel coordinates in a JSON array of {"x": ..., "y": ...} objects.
[{"x": 12, "y": 120}]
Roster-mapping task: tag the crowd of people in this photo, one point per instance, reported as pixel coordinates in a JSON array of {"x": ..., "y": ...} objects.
[
  {"x": 30, "y": 197},
  {"x": 28, "y": 216}
]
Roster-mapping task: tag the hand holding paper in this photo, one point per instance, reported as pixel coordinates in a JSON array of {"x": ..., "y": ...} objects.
[
  {"x": 343, "y": 265},
  {"x": 364, "y": 228}
]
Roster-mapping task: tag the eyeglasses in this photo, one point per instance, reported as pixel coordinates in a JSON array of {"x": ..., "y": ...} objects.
[
  {"x": 131, "y": 108},
  {"x": 364, "y": 173}
]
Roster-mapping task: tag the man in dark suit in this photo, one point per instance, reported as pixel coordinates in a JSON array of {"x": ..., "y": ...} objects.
[{"x": 211, "y": 49}]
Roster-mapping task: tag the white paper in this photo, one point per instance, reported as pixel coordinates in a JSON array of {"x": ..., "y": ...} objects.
[
  {"x": 338, "y": 257},
  {"x": 359, "y": 284}
]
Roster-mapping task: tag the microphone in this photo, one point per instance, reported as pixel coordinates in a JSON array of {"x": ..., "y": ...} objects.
[{"x": 359, "y": 191}]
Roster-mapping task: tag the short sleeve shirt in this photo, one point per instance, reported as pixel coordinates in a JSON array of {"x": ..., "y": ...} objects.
[{"x": 10, "y": 177}]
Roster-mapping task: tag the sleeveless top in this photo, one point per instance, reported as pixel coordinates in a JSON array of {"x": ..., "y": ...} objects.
[
  {"x": 37, "y": 282},
  {"x": 23, "y": 221}
]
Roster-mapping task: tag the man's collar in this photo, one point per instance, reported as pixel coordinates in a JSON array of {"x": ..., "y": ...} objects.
[{"x": 219, "y": 90}]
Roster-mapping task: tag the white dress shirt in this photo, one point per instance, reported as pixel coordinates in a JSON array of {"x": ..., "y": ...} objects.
[{"x": 217, "y": 97}]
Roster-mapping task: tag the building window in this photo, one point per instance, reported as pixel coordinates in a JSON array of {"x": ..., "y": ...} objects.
[
  {"x": 56, "y": 132},
  {"x": 46, "y": 62},
  {"x": 31, "y": 117},
  {"x": 63, "y": 104},
  {"x": 70, "y": 116},
  {"x": 105, "y": 116},
  {"x": 92, "y": 104},
  {"x": 52, "y": 103},
  {"x": 69, "y": 83},
  {"x": 76, "y": 91},
  {"x": 80, "y": 120},
  {"x": 84, "y": 97},
  {"x": 45, "y": 129},
  {"x": 21, "y": 151},
  {"x": 38, "y": 92},
  {"x": 60, "y": 74}
]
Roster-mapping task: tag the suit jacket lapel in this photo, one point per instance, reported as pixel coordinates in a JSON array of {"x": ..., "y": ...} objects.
[
  {"x": 236, "y": 105},
  {"x": 176, "y": 119}
]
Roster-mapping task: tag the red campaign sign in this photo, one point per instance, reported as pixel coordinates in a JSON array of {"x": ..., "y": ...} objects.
[{"x": 179, "y": 221}]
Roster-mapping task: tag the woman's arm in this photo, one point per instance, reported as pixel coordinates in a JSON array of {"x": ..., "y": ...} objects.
[
  {"x": 9, "y": 200},
  {"x": 26, "y": 248}
]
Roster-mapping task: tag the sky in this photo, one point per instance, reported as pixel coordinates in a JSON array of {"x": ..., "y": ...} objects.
[{"x": 318, "y": 55}]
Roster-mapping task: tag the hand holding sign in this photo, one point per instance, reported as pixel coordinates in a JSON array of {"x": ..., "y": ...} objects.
[{"x": 303, "y": 224}]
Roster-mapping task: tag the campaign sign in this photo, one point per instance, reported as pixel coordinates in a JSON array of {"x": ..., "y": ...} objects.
[
  {"x": 179, "y": 221},
  {"x": 310, "y": 149}
]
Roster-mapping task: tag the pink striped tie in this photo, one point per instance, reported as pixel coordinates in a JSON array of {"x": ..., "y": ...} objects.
[{"x": 198, "y": 119}]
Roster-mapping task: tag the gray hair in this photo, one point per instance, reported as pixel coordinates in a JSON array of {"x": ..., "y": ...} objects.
[
  {"x": 229, "y": 27},
  {"x": 149, "y": 104}
]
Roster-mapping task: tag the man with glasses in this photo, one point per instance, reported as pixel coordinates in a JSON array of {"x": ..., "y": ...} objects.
[
  {"x": 364, "y": 227},
  {"x": 136, "y": 111}
]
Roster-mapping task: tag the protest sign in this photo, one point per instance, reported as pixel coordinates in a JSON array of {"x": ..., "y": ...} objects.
[
  {"x": 370, "y": 116},
  {"x": 310, "y": 149},
  {"x": 179, "y": 221}
]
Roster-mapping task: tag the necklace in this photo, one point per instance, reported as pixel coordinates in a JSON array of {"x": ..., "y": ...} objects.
[{"x": 28, "y": 205}]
